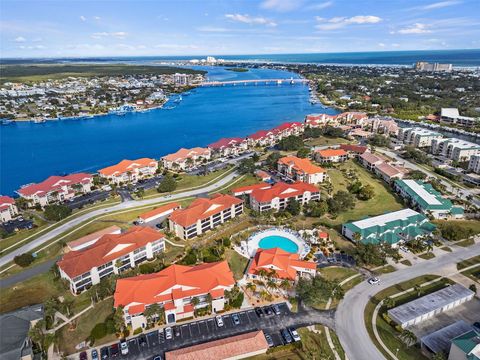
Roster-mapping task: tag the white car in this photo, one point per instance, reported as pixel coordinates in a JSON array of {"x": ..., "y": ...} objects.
[
  {"x": 168, "y": 333},
  {"x": 294, "y": 334},
  {"x": 374, "y": 281},
  {"x": 219, "y": 320},
  {"x": 123, "y": 347}
]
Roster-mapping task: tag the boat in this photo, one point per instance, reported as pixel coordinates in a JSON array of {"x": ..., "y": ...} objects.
[
  {"x": 39, "y": 121},
  {"x": 7, "y": 122}
]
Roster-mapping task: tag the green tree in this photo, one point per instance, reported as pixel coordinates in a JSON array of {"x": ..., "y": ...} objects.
[
  {"x": 318, "y": 289},
  {"x": 417, "y": 175},
  {"x": 341, "y": 201},
  {"x": 303, "y": 153},
  {"x": 246, "y": 166},
  {"x": 272, "y": 159},
  {"x": 152, "y": 313},
  {"x": 366, "y": 192},
  {"x": 290, "y": 143},
  {"x": 37, "y": 335},
  {"x": 22, "y": 203},
  {"x": 379, "y": 140},
  {"x": 408, "y": 337},
  {"x": 293, "y": 207},
  {"x": 168, "y": 184},
  {"x": 315, "y": 209},
  {"x": 389, "y": 303},
  {"x": 56, "y": 212},
  {"x": 24, "y": 260}
]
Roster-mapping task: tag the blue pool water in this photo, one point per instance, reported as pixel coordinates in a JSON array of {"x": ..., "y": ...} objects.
[{"x": 281, "y": 242}]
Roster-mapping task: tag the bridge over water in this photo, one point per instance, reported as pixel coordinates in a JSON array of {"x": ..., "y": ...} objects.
[{"x": 290, "y": 81}]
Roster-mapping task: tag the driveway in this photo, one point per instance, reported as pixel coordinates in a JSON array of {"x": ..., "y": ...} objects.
[{"x": 349, "y": 317}]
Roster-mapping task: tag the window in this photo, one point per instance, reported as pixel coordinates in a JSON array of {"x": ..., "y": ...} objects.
[
  {"x": 136, "y": 251},
  {"x": 101, "y": 267}
]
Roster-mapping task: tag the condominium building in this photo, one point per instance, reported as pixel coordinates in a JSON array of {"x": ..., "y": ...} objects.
[
  {"x": 56, "y": 189},
  {"x": 330, "y": 156},
  {"x": 474, "y": 164},
  {"x": 423, "y": 197},
  {"x": 276, "y": 197},
  {"x": 229, "y": 146},
  {"x": 8, "y": 209},
  {"x": 391, "y": 228},
  {"x": 173, "y": 289},
  {"x": 382, "y": 125},
  {"x": 280, "y": 265},
  {"x": 129, "y": 170},
  {"x": 111, "y": 254},
  {"x": 455, "y": 149},
  {"x": 185, "y": 159},
  {"x": 352, "y": 118},
  {"x": 370, "y": 161},
  {"x": 354, "y": 151},
  {"x": 389, "y": 172},
  {"x": 299, "y": 169},
  {"x": 203, "y": 215},
  {"x": 262, "y": 138},
  {"x": 320, "y": 120},
  {"x": 452, "y": 116},
  {"x": 418, "y": 137},
  {"x": 287, "y": 129}
]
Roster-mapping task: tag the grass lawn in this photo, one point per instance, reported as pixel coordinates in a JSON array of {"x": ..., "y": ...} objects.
[
  {"x": 473, "y": 273},
  {"x": 469, "y": 262},
  {"x": 246, "y": 180},
  {"x": 406, "y": 262},
  {"x": 472, "y": 225},
  {"x": 385, "y": 269},
  {"x": 326, "y": 141},
  {"x": 446, "y": 248},
  {"x": 236, "y": 262},
  {"x": 465, "y": 243},
  {"x": 383, "y": 201},
  {"x": 387, "y": 333},
  {"x": 336, "y": 273},
  {"x": 68, "y": 337},
  {"x": 427, "y": 256}
]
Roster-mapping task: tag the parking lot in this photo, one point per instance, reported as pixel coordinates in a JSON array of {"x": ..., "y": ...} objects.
[
  {"x": 90, "y": 198},
  {"x": 335, "y": 259},
  {"x": 17, "y": 224},
  {"x": 152, "y": 344}
]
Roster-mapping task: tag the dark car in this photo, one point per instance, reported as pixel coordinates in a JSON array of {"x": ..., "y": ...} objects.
[
  {"x": 104, "y": 353},
  {"x": 114, "y": 350},
  {"x": 286, "y": 336},
  {"x": 268, "y": 310},
  {"x": 476, "y": 325},
  {"x": 83, "y": 355},
  {"x": 236, "y": 319},
  {"x": 94, "y": 354},
  {"x": 259, "y": 312},
  {"x": 142, "y": 340},
  {"x": 176, "y": 330}
]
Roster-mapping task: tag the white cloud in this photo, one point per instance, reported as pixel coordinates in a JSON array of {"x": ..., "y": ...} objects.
[
  {"x": 175, "y": 46},
  {"x": 381, "y": 44},
  {"x": 417, "y": 28},
  {"x": 97, "y": 18},
  {"x": 104, "y": 34},
  {"x": 19, "y": 39},
  {"x": 83, "y": 18},
  {"x": 320, "y": 6},
  {"x": 281, "y": 5},
  {"x": 247, "y": 19},
  {"x": 340, "y": 22},
  {"x": 32, "y": 47},
  {"x": 395, "y": 45},
  {"x": 440, "y": 4}
]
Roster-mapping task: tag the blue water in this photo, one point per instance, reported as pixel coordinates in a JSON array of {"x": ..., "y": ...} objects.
[
  {"x": 31, "y": 152},
  {"x": 281, "y": 242}
]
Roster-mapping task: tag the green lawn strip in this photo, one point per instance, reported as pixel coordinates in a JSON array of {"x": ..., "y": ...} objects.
[
  {"x": 427, "y": 255},
  {"x": 465, "y": 243},
  {"x": 237, "y": 263},
  {"x": 385, "y": 269},
  {"x": 473, "y": 273},
  {"x": 406, "y": 262},
  {"x": 387, "y": 333},
  {"x": 69, "y": 336},
  {"x": 446, "y": 248},
  {"x": 469, "y": 262},
  {"x": 336, "y": 273}
]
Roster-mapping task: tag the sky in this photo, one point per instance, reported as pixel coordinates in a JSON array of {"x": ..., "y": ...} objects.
[{"x": 83, "y": 28}]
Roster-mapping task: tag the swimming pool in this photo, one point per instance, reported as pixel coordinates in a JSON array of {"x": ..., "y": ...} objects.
[{"x": 281, "y": 242}]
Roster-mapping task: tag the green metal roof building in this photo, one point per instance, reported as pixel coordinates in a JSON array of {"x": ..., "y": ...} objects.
[
  {"x": 426, "y": 199},
  {"x": 390, "y": 228},
  {"x": 466, "y": 347}
]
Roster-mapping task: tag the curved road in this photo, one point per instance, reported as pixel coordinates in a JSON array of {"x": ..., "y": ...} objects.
[
  {"x": 349, "y": 320},
  {"x": 122, "y": 206}
]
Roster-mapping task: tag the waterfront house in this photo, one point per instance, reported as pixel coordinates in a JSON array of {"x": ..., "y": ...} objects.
[
  {"x": 56, "y": 189},
  {"x": 173, "y": 289},
  {"x": 299, "y": 169},
  {"x": 423, "y": 197},
  {"x": 279, "y": 265},
  {"x": 111, "y": 254},
  {"x": 321, "y": 120},
  {"x": 391, "y": 228},
  {"x": 330, "y": 156},
  {"x": 203, "y": 215},
  {"x": 127, "y": 171},
  {"x": 8, "y": 209},
  {"x": 262, "y": 138},
  {"x": 352, "y": 118},
  {"x": 229, "y": 146},
  {"x": 288, "y": 129},
  {"x": 185, "y": 159},
  {"x": 389, "y": 172},
  {"x": 276, "y": 197}
]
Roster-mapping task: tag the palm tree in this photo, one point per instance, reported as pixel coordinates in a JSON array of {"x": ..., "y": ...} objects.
[
  {"x": 357, "y": 237},
  {"x": 389, "y": 302},
  {"x": 417, "y": 289},
  {"x": 264, "y": 295},
  {"x": 195, "y": 301},
  {"x": 251, "y": 286},
  {"x": 262, "y": 273},
  {"x": 272, "y": 284},
  {"x": 285, "y": 284},
  {"x": 408, "y": 337}
]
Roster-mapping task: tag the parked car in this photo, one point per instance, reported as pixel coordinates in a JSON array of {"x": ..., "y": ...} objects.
[
  {"x": 104, "y": 353},
  {"x": 219, "y": 320},
  {"x": 269, "y": 340},
  {"x": 476, "y": 325},
  {"x": 114, "y": 350},
  {"x": 168, "y": 333},
  {"x": 268, "y": 310},
  {"x": 276, "y": 309},
  {"x": 259, "y": 312},
  {"x": 374, "y": 281},
  {"x": 294, "y": 334},
  {"x": 123, "y": 347},
  {"x": 83, "y": 355},
  {"x": 176, "y": 331},
  {"x": 158, "y": 357},
  {"x": 286, "y": 336},
  {"x": 142, "y": 340},
  {"x": 236, "y": 319},
  {"x": 94, "y": 354}
]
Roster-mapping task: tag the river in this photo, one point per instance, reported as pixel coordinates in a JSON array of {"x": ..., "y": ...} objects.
[{"x": 32, "y": 152}]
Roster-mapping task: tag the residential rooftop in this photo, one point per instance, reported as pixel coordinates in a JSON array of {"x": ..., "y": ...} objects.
[{"x": 440, "y": 340}]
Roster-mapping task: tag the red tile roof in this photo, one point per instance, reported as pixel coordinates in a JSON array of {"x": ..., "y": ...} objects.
[
  {"x": 173, "y": 282},
  {"x": 186, "y": 153},
  {"x": 54, "y": 183},
  {"x": 371, "y": 158},
  {"x": 261, "y": 134},
  {"x": 127, "y": 165},
  {"x": 109, "y": 247},
  {"x": 288, "y": 125},
  {"x": 284, "y": 263},
  {"x": 354, "y": 148},
  {"x": 203, "y": 208},
  {"x": 301, "y": 165},
  {"x": 283, "y": 191},
  {"x": 234, "y": 347},
  {"x": 159, "y": 210},
  {"x": 331, "y": 153},
  {"x": 6, "y": 200},
  {"x": 225, "y": 143},
  {"x": 389, "y": 170}
]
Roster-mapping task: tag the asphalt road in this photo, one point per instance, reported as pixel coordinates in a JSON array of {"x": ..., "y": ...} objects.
[
  {"x": 349, "y": 320},
  {"x": 38, "y": 242},
  {"x": 28, "y": 273}
]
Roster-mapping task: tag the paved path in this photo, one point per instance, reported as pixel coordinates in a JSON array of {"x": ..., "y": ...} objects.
[
  {"x": 4, "y": 260},
  {"x": 349, "y": 319}
]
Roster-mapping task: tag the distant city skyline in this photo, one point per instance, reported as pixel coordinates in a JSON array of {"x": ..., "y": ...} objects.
[{"x": 171, "y": 28}]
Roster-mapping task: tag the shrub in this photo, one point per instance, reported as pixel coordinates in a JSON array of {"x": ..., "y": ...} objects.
[
  {"x": 137, "y": 331},
  {"x": 99, "y": 331},
  {"x": 146, "y": 268},
  {"x": 23, "y": 260},
  {"x": 56, "y": 212}
]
